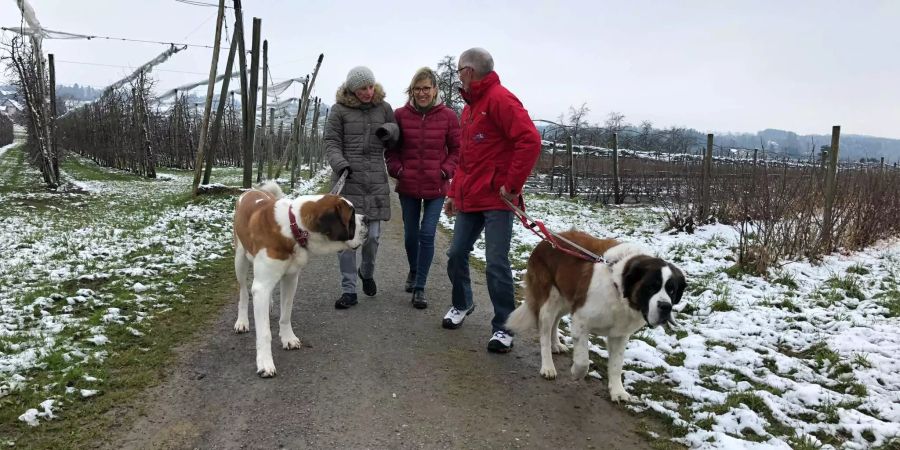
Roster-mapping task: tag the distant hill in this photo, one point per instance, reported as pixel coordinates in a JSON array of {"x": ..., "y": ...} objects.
[
  {"x": 774, "y": 141},
  {"x": 853, "y": 146},
  {"x": 77, "y": 92}
]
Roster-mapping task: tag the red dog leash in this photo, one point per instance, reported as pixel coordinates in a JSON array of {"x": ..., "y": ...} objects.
[{"x": 553, "y": 238}]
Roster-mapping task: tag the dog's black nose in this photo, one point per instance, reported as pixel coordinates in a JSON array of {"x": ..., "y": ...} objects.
[{"x": 665, "y": 308}]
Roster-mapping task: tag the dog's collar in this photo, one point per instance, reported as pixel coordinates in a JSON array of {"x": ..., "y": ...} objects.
[{"x": 301, "y": 236}]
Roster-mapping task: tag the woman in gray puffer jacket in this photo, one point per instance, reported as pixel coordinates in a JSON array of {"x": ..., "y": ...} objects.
[{"x": 359, "y": 127}]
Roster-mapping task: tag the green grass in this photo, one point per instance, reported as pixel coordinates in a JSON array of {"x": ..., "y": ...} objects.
[
  {"x": 710, "y": 343},
  {"x": 786, "y": 304},
  {"x": 133, "y": 362},
  {"x": 756, "y": 404},
  {"x": 676, "y": 359},
  {"x": 849, "y": 284},
  {"x": 798, "y": 442},
  {"x": 861, "y": 360},
  {"x": 721, "y": 305},
  {"x": 892, "y": 444},
  {"x": 785, "y": 280},
  {"x": 890, "y": 300}
]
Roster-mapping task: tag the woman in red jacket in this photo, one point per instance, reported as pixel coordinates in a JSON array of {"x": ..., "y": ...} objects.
[{"x": 423, "y": 164}]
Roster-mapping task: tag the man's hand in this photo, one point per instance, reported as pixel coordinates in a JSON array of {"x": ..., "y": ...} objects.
[
  {"x": 509, "y": 197},
  {"x": 449, "y": 208}
]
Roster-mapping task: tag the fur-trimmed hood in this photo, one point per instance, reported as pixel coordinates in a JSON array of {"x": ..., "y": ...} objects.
[{"x": 348, "y": 99}]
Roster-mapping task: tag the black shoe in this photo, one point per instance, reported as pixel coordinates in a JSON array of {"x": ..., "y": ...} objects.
[
  {"x": 418, "y": 299},
  {"x": 368, "y": 285},
  {"x": 410, "y": 280},
  {"x": 346, "y": 301}
]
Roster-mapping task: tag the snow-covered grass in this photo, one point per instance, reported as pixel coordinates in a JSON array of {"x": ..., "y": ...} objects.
[
  {"x": 92, "y": 272},
  {"x": 806, "y": 358}
]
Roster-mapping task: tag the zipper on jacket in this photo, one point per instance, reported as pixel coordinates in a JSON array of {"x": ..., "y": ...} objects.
[{"x": 421, "y": 151}]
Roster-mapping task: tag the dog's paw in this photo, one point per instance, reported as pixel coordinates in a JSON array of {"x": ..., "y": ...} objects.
[
  {"x": 548, "y": 372},
  {"x": 241, "y": 326},
  {"x": 559, "y": 347},
  {"x": 619, "y": 396},
  {"x": 579, "y": 371},
  {"x": 265, "y": 369},
  {"x": 291, "y": 343}
]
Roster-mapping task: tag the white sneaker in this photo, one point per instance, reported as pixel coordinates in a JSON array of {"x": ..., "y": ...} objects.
[
  {"x": 501, "y": 342},
  {"x": 455, "y": 317}
]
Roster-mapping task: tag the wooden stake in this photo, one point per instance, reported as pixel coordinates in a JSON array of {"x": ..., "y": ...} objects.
[
  {"x": 54, "y": 143},
  {"x": 617, "y": 196},
  {"x": 571, "y": 156},
  {"x": 251, "y": 104},
  {"x": 265, "y": 85},
  {"x": 201, "y": 148},
  {"x": 830, "y": 188},
  {"x": 220, "y": 109}
]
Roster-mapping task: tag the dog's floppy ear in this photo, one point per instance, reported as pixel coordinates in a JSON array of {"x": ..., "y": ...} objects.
[
  {"x": 349, "y": 219},
  {"x": 335, "y": 225},
  {"x": 631, "y": 276},
  {"x": 680, "y": 284}
]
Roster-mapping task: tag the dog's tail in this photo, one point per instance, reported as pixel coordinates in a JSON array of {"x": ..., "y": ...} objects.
[
  {"x": 537, "y": 291},
  {"x": 271, "y": 188},
  {"x": 521, "y": 320}
]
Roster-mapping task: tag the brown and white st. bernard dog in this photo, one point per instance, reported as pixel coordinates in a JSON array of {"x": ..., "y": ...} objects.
[
  {"x": 276, "y": 236},
  {"x": 612, "y": 299}
]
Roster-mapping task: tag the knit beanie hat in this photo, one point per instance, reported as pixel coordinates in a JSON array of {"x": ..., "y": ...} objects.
[{"x": 359, "y": 77}]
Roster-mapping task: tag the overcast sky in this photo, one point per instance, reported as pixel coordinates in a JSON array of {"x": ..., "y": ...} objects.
[{"x": 711, "y": 65}]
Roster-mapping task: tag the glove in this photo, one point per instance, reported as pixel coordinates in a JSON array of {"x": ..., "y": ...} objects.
[
  {"x": 388, "y": 133},
  {"x": 382, "y": 134},
  {"x": 345, "y": 170}
]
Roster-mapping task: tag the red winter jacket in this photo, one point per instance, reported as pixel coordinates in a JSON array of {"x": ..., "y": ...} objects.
[
  {"x": 429, "y": 151},
  {"x": 499, "y": 147}
]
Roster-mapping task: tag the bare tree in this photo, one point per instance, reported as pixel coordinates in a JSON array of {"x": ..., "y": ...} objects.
[
  {"x": 577, "y": 121},
  {"x": 26, "y": 62},
  {"x": 646, "y": 139},
  {"x": 449, "y": 84},
  {"x": 6, "y": 130},
  {"x": 615, "y": 122}
]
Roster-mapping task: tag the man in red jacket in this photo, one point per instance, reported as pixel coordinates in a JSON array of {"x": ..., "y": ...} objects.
[{"x": 499, "y": 146}]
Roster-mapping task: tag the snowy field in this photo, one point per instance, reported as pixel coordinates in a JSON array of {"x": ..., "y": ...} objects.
[
  {"x": 805, "y": 359},
  {"x": 79, "y": 268}
]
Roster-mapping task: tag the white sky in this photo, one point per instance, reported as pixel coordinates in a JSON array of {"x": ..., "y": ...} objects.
[{"x": 711, "y": 65}]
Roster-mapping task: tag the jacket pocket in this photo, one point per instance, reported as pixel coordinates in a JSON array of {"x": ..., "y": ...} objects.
[{"x": 481, "y": 183}]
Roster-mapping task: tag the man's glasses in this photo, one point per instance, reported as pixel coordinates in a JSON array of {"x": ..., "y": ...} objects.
[{"x": 459, "y": 71}]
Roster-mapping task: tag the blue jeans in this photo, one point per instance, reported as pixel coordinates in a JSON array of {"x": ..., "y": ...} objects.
[
  {"x": 419, "y": 236},
  {"x": 497, "y": 227}
]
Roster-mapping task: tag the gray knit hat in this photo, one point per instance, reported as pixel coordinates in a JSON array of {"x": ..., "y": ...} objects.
[{"x": 359, "y": 77}]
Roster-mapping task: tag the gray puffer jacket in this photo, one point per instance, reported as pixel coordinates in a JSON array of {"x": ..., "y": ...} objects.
[{"x": 350, "y": 141}]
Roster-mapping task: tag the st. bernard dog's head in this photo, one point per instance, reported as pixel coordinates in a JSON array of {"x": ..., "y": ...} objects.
[
  {"x": 333, "y": 224},
  {"x": 652, "y": 286}
]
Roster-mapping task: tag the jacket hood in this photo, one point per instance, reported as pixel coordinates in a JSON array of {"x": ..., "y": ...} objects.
[{"x": 348, "y": 99}]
